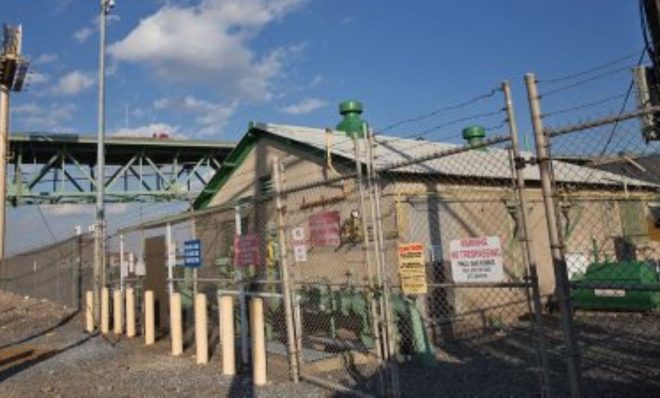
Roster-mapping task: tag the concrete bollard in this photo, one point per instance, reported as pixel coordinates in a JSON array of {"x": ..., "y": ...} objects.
[
  {"x": 201, "y": 333},
  {"x": 130, "y": 312},
  {"x": 258, "y": 341},
  {"x": 176, "y": 329},
  {"x": 149, "y": 318},
  {"x": 105, "y": 310},
  {"x": 118, "y": 308},
  {"x": 89, "y": 311},
  {"x": 227, "y": 340}
]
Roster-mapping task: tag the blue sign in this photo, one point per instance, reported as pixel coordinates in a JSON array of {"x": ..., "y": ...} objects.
[{"x": 192, "y": 253}]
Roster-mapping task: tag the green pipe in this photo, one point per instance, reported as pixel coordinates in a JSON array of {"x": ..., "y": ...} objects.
[{"x": 422, "y": 348}]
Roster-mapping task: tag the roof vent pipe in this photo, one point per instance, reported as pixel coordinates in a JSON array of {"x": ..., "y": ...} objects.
[
  {"x": 474, "y": 135},
  {"x": 352, "y": 124}
]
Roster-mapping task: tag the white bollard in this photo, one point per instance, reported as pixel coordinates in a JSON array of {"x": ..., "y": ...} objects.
[
  {"x": 227, "y": 339},
  {"x": 118, "y": 307},
  {"x": 130, "y": 312},
  {"x": 258, "y": 341},
  {"x": 176, "y": 330},
  {"x": 105, "y": 310},
  {"x": 201, "y": 333},
  {"x": 89, "y": 311},
  {"x": 149, "y": 318}
]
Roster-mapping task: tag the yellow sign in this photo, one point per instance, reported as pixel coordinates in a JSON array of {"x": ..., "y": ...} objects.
[{"x": 412, "y": 268}]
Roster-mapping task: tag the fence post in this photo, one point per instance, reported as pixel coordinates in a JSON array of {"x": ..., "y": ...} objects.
[
  {"x": 284, "y": 270},
  {"x": 525, "y": 239},
  {"x": 562, "y": 288}
]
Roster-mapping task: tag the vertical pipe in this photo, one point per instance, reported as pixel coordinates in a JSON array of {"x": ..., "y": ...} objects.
[
  {"x": 245, "y": 354},
  {"x": 384, "y": 282},
  {"x": 201, "y": 332},
  {"x": 227, "y": 340},
  {"x": 284, "y": 271},
  {"x": 99, "y": 236},
  {"x": 118, "y": 308},
  {"x": 105, "y": 310},
  {"x": 149, "y": 318},
  {"x": 176, "y": 329},
  {"x": 562, "y": 289},
  {"x": 258, "y": 341},
  {"x": 375, "y": 319},
  {"x": 4, "y": 142},
  {"x": 123, "y": 269},
  {"x": 130, "y": 312},
  {"x": 170, "y": 258},
  {"x": 526, "y": 239},
  {"x": 89, "y": 311}
]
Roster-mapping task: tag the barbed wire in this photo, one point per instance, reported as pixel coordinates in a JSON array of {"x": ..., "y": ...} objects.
[
  {"x": 590, "y": 70},
  {"x": 425, "y": 116},
  {"x": 586, "y": 81},
  {"x": 583, "y": 106}
]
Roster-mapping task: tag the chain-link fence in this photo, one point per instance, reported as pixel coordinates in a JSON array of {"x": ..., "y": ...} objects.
[
  {"x": 60, "y": 272},
  {"x": 602, "y": 194}
]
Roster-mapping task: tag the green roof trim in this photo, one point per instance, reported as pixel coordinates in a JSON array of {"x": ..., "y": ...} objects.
[{"x": 231, "y": 163}]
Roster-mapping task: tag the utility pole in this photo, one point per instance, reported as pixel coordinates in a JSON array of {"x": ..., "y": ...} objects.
[
  {"x": 652, "y": 18},
  {"x": 99, "y": 231},
  {"x": 13, "y": 68}
]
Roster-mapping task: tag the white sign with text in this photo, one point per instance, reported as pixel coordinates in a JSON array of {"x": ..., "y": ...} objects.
[{"x": 476, "y": 260}]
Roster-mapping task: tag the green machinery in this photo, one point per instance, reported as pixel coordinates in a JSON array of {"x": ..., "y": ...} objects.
[
  {"x": 338, "y": 305},
  {"x": 623, "y": 286}
]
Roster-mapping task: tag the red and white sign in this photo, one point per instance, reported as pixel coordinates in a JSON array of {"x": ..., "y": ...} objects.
[
  {"x": 324, "y": 229},
  {"x": 246, "y": 250},
  {"x": 476, "y": 260}
]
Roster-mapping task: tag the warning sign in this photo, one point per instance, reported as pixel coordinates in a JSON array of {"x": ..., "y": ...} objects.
[
  {"x": 476, "y": 260},
  {"x": 412, "y": 268},
  {"x": 324, "y": 229},
  {"x": 246, "y": 250}
]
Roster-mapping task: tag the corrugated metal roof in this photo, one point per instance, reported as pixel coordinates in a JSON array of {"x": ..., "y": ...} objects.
[{"x": 491, "y": 163}]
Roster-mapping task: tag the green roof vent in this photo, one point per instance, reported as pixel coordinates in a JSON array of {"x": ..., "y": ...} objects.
[
  {"x": 352, "y": 124},
  {"x": 474, "y": 135}
]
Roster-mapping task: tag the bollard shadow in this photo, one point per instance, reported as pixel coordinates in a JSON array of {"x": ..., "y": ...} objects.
[
  {"x": 29, "y": 357},
  {"x": 241, "y": 387},
  {"x": 62, "y": 322}
]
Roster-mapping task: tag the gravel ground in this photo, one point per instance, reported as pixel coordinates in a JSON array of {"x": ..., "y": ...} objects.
[{"x": 44, "y": 353}]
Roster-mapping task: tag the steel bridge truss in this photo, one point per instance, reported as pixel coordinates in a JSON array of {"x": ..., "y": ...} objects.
[{"x": 59, "y": 169}]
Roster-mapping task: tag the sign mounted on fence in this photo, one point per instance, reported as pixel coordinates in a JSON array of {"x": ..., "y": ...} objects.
[
  {"x": 412, "y": 268},
  {"x": 192, "y": 253},
  {"x": 246, "y": 250},
  {"x": 325, "y": 229},
  {"x": 299, "y": 245},
  {"x": 476, "y": 260}
]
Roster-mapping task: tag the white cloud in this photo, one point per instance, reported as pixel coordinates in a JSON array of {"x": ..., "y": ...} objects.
[
  {"x": 35, "y": 78},
  {"x": 149, "y": 130},
  {"x": 210, "y": 117},
  {"x": 207, "y": 43},
  {"x": 34, "y": 117},
  {"x": 305, "y": 106},
  {"x": 83, "y": 34},
  {"x": 45, "y": 59},
  {"x": 73, "y": 83}
]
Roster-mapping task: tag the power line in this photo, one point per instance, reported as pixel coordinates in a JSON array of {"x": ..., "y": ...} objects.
[
  {"x": 588, "y": 80},
  {"x": 590, "y": 70}
]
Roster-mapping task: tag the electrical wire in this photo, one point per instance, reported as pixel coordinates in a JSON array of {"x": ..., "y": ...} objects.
[{"x": 588, "y": 80}]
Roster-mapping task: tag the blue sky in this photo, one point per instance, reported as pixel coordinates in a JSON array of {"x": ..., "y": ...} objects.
[{"x": 205, "y": 68}]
